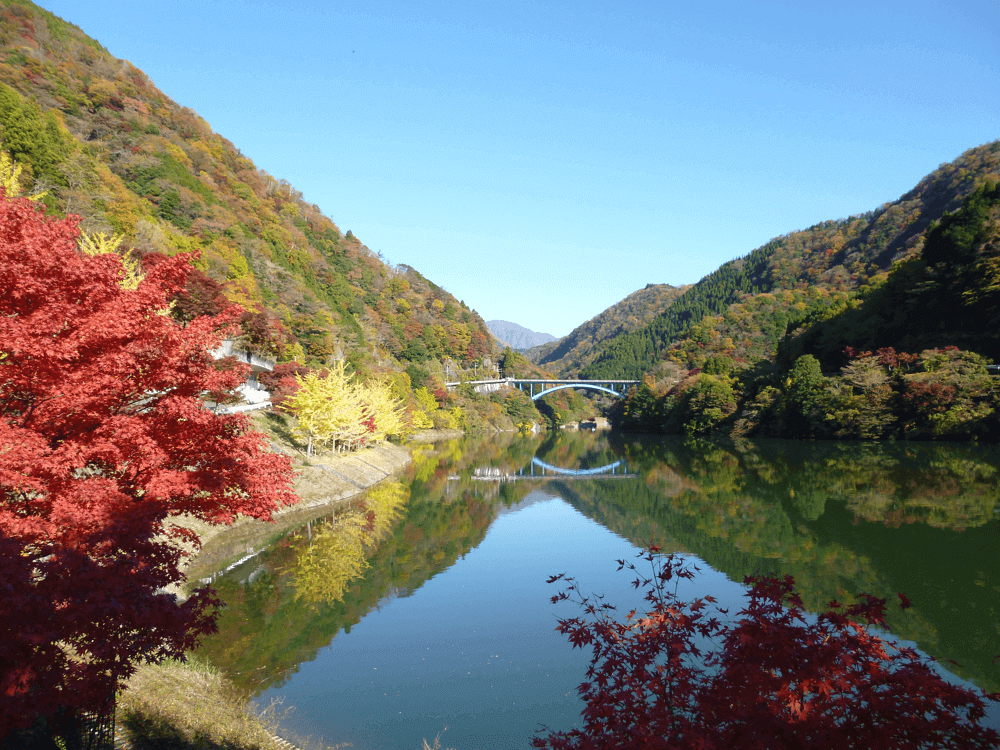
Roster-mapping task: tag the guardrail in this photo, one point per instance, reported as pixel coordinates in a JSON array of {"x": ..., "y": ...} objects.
[{"x": 228, "y": 349}]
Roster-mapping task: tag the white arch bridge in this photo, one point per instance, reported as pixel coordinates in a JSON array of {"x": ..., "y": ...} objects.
[{"x": 545, "y": 386}]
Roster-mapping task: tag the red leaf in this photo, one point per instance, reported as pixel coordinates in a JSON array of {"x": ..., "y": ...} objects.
[{"x": 95, "y": 377}]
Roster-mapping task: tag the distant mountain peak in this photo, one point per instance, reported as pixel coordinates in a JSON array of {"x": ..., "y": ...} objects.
[{"x": 518, "y": 337}]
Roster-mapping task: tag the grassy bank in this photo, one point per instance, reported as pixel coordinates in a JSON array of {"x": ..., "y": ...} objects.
[
  {"x": 190, "y": 706},
  {"x": 321, "y": 482},
  {"x": 193, "y": 706}
]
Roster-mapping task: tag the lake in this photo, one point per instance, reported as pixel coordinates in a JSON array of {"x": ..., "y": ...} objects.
[{"x": 424, "y": 608}]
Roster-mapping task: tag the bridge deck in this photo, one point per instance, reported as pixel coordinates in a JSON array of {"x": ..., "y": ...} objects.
[{"x": 553, "y": 381}]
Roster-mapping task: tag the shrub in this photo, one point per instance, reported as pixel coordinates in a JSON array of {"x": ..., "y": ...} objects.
[{"x": 777, "y": 679}]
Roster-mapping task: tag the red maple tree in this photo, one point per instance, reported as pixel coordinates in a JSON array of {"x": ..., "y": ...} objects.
[
  {"x": 777, "y": 679},
  {"x": 104, "y": 438}
]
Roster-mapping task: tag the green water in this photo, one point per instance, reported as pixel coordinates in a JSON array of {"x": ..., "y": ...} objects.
[{"x": 450, "y": 624}]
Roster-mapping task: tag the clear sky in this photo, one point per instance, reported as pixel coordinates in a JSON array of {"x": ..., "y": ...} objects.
[{"x": 542, "y": 160}]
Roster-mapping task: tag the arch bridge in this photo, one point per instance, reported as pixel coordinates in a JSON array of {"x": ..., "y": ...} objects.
[{"x": 538, "y": 387}]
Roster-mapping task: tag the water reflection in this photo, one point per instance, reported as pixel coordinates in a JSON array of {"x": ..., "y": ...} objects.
[
  {"x": 290, "y": 601},
  {"x": 336, "y": 551},
  {"x": 839, "y": 518}
]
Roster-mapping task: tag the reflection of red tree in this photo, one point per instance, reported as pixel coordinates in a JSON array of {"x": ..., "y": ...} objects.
[{"x": 777, "y": 681}]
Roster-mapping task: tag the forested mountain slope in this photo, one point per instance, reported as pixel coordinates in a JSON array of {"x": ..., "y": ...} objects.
[
  {"x": 106, "y": 144},
  {"x": 947, "y": 296},
  {"x": 905, "y": 356},
  {"x": 575, "y": 351},
  {"x": 742, "y": 309}
]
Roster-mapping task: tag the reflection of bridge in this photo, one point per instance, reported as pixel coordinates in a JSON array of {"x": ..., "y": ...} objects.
[
  {"x": 545, "y": 386},
  {"x": 539, "y": 469}
]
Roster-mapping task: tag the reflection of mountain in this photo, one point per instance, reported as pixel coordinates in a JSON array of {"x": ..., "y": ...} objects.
[
  {"x": 266, "y": 631},
  {"x": 841, "y": 519}
]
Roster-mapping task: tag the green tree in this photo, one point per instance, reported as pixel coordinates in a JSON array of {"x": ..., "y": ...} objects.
[
  {"x": 512, "y": 364},
  {"x": 806, "y": 389},
  {"x": 705, "y": 404},
  {"x": 860, "y": 406},
  {"x": 952, "y": 396}
]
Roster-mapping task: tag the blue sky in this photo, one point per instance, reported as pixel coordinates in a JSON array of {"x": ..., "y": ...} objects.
[{"x": 541, "y": 161}]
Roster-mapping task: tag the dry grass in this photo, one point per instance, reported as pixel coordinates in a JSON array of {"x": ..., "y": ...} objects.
[
  {"x": 280, "y": 429},
  {"x": 437, "y": 744},
  {"x": 192, "y": 706}
]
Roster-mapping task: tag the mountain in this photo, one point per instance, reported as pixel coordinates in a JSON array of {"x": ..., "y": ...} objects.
[
  {"x": 743, "y": 309},
  {"x": 949, "y": 296},
  {"x": 517, "y": 336},
  {"x": 575, "y": 351},
  {"x": 103, "y": 142},
  {"x": 904, "y": 356}
]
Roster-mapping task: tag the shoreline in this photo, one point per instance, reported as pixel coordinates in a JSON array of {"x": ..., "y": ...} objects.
[{"x": 323, "y": 484}]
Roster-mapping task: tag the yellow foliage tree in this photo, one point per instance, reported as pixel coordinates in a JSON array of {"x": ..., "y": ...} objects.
[
  {"x": 425, "y": 399},
  {"x": 328, "y": 408},
  {"x": 10, "y": 177},
  {"x": 383, "y": 411},
  {"x": 333, "y": 409},
  {"x": 420, "y": 421},
  {"x": 420, "y": 418}
]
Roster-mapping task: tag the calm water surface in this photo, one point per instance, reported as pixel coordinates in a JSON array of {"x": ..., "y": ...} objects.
[{"x": 449, "y": 627}]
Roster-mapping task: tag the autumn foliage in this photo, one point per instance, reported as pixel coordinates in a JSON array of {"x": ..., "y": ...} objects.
[
  {"x": 778, "y": 679},
  {"x": 104, "y": 439},
  {"x": 336, "y": 410}
]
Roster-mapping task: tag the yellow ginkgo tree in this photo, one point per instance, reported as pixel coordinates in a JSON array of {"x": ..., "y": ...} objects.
[
  {"x": 10, "y": 178},
  {"x": 100, "y": 243},
  {"x": 334, "y": 410},
  {"x": 383, "y": 410}
]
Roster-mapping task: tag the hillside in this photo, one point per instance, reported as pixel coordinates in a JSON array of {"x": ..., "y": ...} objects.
[
  {"x": 904, "y": 356},
  {"x": 104, "y": 143},
  {"x": 571, "y": 353},
  {"x": 947, "y": 296},
  {"x": 517, "y": 336},
  {"x": 743, "y": 309}
]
